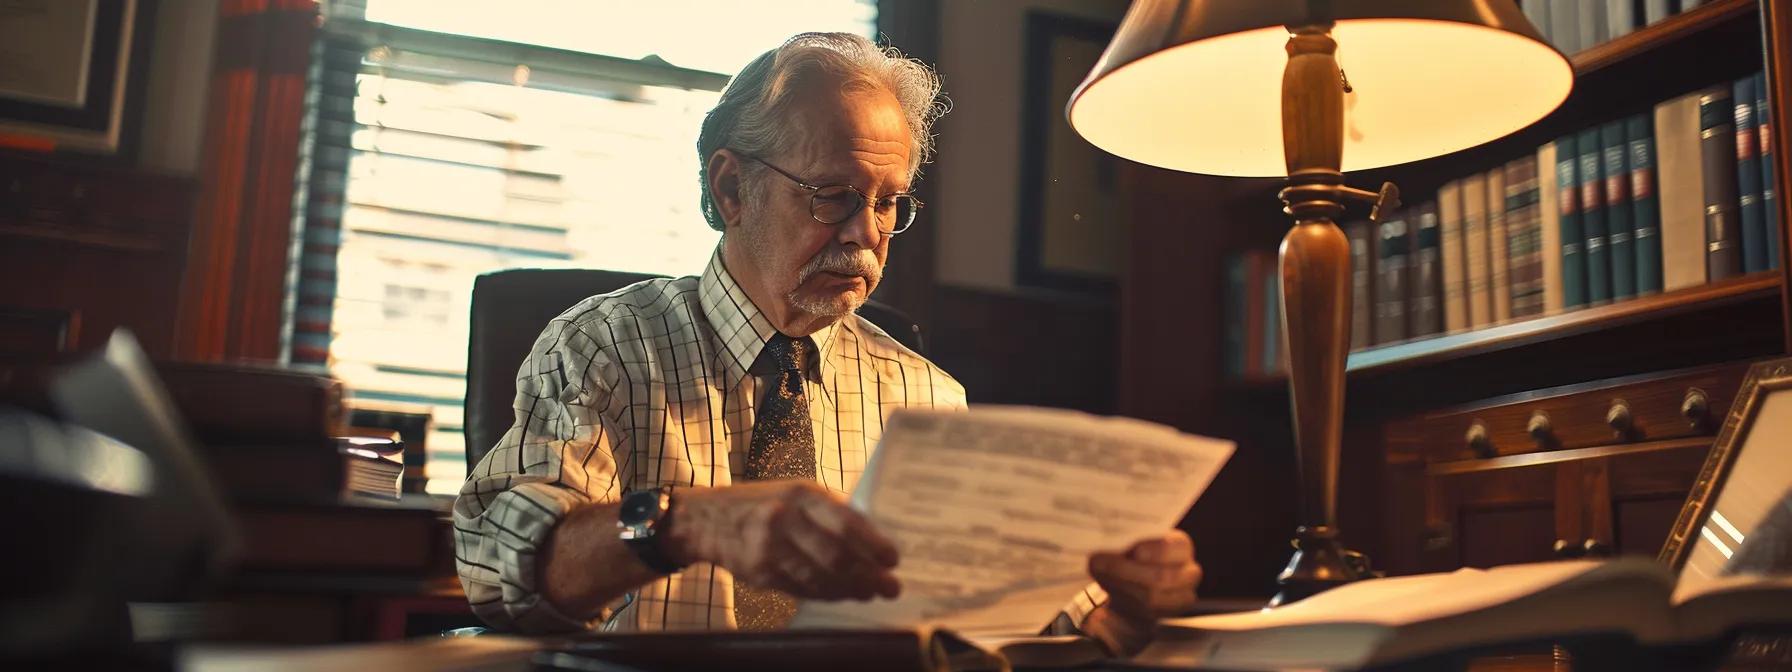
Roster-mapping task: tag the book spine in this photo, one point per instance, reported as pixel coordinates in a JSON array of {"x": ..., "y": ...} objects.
[
  {"x": 1272, "y": 317},
  {"x": 1645, "y": 208},
  {"x": 1618, "y": 211},
  {"x": 1498, "y": 247},
  {"x": 1474, "y": 241},
  {"x": 1364, "y": 251},
  {"x": 1680, "y": 184},
  {"x": 1392, "y": 293},
  {"x": 1549, "y": 229},
  {"x": 1521, "y": 232},
  {"x": 1717, "y": 135},
  {"x": 1769, "y": 203},
  {"x": 1656, "y": 10},
  {"x": 1424, "y": 311},
  {"x": 1592, "y": 219},
  {"x": 1564, "y": 27},
  {"x": 1237, "y": 289},
  {"x": 1620, "y": 18},
  {"x": 1455, "y": 267},
  {"x": 1574, "y": 262},
  {"x": 1537, "y": 12},
  {"x": 1591, "y": 23},
  {"x": 1256, "y": 270},
  {"x": 1748, "y": 179}
]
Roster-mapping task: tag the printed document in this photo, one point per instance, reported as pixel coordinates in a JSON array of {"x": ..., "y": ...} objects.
[{"x": 996, "y": 511}]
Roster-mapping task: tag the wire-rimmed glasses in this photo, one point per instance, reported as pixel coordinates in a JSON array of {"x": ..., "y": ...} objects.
[{"x": 835, "y": 203}]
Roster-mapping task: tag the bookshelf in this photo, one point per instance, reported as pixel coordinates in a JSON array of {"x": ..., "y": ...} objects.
[
  {"x": 1719, "y": 41},
  {"x": 1759, "y": 288},
  {"x": 1715, "y": 42}
]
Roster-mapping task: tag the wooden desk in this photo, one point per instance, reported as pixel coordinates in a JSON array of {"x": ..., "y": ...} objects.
[{"x": 675, "y": 652}]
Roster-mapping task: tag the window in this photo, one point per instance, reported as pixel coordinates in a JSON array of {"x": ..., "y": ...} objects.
[{"x": 479, "y": 136}]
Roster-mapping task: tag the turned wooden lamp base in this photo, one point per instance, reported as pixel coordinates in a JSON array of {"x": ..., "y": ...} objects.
[{"x": 1315, "y": 268}]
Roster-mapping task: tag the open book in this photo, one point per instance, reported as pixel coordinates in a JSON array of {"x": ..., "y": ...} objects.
[
  {"x": 995, "y": 512},
  {"x": 1391, "y": 620}
]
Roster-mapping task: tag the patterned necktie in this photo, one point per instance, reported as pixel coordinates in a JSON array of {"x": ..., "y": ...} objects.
[{"x": 783, "y": 446}]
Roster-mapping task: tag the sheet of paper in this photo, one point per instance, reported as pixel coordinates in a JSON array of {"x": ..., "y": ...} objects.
[
  {"x": 996, "y": 511},
  {"x": 1401, "y": 600}
]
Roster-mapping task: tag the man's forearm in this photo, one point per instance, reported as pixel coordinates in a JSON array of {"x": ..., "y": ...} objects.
[{"x": 585, "y": 565}]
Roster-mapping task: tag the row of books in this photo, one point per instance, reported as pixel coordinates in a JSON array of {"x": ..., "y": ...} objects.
[
  {"x": 1658, "y": 201},
  {"x": 1574, "y": 25},
  {"x": 1648, "y": 203}
]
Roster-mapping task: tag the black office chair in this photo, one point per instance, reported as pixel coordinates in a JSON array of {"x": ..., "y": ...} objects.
[{"x": 510, "y": 308}]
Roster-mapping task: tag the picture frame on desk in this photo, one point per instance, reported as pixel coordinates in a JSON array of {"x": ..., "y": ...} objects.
[
  {"x": 1738, "y": 516},
  {"x": 1069, "y": 219},
  {"x": 72, "y": 75}
]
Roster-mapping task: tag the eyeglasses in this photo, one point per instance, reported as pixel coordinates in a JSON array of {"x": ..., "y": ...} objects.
[{"x": 836, "y": 203}]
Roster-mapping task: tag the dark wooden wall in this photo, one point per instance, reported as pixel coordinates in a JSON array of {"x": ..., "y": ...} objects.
[
  {"x": 1170, "y": 369},
  {"x": 1009, "y": 348},
  {"x": 104, "y": 245}
]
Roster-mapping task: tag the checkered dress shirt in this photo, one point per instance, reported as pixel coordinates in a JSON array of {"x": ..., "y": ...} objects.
[{"x": 650, "y": 386}]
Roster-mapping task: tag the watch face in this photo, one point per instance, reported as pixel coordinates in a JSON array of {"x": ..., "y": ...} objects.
[{"x": 640, "y": 510}]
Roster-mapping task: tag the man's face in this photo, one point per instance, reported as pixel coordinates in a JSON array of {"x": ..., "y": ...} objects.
[{"x": 859, "y": 139}]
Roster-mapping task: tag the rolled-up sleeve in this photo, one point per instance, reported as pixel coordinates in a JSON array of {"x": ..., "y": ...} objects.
[{"x": 559, "y": 454}]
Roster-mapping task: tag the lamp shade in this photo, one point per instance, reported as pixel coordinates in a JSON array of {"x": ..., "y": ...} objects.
[{"x": 1196, "y": 85}]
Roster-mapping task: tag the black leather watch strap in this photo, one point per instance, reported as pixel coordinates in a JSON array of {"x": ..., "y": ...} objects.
[{"x": 647, "y": 537}]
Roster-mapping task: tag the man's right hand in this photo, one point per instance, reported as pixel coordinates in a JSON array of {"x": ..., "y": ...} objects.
[{"x": 795, "y": 537}]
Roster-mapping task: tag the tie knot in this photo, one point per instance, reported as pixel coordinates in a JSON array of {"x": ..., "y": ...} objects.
[{"x": 785, "y": 353}]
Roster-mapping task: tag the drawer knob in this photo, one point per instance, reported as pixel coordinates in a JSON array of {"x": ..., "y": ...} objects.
[
  {"x": 1619, "y": 417},
  {"x": 1696, "y": 407},
  {"x": 1594, "y": 548},
  {"x": 1539, "y": 428},
  {"x": 1479, "y": 442},
  {"x": 1568, "y": 550}
]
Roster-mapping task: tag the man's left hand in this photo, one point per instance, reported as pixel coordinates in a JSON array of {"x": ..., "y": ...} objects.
[{"x": 1154, "y": 579}]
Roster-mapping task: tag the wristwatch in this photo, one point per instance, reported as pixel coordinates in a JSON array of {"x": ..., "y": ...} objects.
[{"x": 645, "y": 521}]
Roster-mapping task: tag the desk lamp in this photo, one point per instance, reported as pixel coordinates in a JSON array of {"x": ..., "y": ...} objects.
[{"x": 1307, "y": 89}]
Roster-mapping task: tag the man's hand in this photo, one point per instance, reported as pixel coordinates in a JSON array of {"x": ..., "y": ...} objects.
[
  {"x": 1154, "y": 579},
  {"x": 792, "y": 536}
]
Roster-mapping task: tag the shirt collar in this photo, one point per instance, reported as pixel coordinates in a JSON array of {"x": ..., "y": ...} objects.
[{"x": 743, "y": 329}]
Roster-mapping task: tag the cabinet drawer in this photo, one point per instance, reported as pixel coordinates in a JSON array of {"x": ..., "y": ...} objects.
[{"x": 1673, "y": 405}]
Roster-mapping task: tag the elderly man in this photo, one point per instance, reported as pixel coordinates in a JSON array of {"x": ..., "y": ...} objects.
[{"x": 683, "y": 448}]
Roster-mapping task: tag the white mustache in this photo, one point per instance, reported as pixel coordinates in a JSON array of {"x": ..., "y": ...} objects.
[{"x": 863, "y": 264}]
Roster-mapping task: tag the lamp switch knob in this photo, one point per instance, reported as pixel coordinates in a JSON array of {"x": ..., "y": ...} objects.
[{"x": 1385, "y": 202}]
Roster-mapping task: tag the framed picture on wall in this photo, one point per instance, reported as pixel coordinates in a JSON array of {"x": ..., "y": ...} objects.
[
  {"x": 1070, "y": 231},
  {"x": 71, "y": 74}
]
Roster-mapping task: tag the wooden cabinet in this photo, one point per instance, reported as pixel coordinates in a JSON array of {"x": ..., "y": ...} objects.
[{"x": 1593, "y": 469}]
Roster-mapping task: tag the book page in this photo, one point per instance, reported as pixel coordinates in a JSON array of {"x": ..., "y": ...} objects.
[
  {"x": 1412, "y": 599},
  {"x": 996, "y": 511}
]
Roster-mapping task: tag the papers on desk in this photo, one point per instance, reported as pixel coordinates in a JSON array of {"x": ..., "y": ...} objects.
[{"x": 996, "y": 511}]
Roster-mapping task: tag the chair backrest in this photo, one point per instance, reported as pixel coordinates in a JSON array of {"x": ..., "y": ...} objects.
[{"x": 510, "y": 308}]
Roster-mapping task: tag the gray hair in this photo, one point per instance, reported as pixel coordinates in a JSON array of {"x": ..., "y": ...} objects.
[{"x": 753, "y": 114}]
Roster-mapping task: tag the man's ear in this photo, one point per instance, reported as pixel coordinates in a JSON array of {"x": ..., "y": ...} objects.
[{"x": 724, "y": 186}]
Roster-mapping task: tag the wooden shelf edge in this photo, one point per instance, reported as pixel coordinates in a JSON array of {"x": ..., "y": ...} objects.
[
  {"x": 1650, "y": 37},
  {"x": 1461, "y": 345},
  {"x": 1568, "y": 323}
]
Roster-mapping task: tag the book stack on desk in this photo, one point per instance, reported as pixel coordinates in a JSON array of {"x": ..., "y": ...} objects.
[{"x": 330, "y": 548}]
